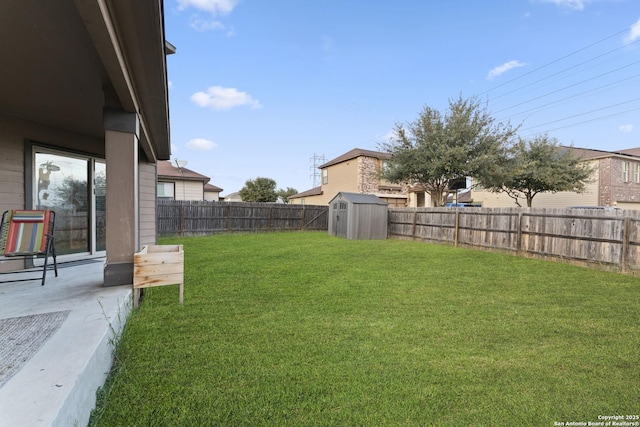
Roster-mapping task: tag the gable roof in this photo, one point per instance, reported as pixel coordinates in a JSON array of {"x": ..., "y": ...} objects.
[
  {"x": 313, "y": 192},
  {"x": 589, "y": 153},
  {"x": 356, "y": 152},
  {"x": 168, "y": 171},
  {"x": 212, "y": 188}
]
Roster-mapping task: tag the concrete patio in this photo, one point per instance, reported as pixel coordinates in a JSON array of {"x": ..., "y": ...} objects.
[{"x": 57, "y": 385}]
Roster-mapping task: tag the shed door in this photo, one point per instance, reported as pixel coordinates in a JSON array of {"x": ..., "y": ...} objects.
[{"x": 341, "y": 220}]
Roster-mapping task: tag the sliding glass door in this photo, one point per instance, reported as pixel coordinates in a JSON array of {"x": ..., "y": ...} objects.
[{"x": 74, "y": 186}]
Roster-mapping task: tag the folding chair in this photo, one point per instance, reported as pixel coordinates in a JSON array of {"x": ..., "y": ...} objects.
[{"x": 29, "y": 233}]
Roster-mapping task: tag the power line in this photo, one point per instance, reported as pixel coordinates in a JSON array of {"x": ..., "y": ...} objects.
[
  {"x": 568, "y": 87},
  {"x": 555, "y": 61},
  {"x": 589, "y": 112},
  {"x": 576, "y": 95},
  {"x": 559, "y": 72}
]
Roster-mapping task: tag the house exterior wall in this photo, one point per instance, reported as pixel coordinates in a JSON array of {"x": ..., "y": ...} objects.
[
  {"x": 147, "y": 203},
  {"x": 211, "y": 196},
  {"x": 619, "y": 191},
  {"x": 358, "y": 175},
  {"x": 13, "y": 135},
  {"x": 341, "y": 177},
  {"x": 188, "y": 190},
  {"x": 563, "y": 199},
  {"x": 368, "y": 169}
]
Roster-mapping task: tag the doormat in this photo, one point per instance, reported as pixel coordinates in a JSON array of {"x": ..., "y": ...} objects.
[{"x": 22, "y": 337}]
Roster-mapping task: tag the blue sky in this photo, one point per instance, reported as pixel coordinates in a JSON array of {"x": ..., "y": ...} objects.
[{"x": 258, "y": 87}]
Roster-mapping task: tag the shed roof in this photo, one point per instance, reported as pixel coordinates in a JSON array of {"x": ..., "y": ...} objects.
[{"x": 359, "y": 198}]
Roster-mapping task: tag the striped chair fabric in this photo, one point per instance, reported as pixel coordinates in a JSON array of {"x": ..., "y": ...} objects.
[{"x": 27, "y": 232}]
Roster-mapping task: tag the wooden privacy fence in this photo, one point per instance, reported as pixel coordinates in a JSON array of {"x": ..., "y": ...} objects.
[
  {"x": 609, "y": 238},
  {"x": 193, "y": 218}
]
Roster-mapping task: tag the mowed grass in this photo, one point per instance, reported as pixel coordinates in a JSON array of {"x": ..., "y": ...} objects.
[{"x": 303, "y": 329}]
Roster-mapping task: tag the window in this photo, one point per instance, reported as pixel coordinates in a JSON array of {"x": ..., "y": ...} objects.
[
  {"x": 74, "y": 186},
  {"x": 166, "y": 190},
  {"x": 325, "y": 176},
  {"x": 625, "y": 171},
  {"x": 636, "y": 173}
]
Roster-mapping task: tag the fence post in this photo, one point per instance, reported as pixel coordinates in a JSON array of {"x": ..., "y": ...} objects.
[
  {"x": 624, "y": 255},
  {"x": 302, "y": 221},
  {"x": 229, "y": 218},
  {"x": 519, "y": 234},
  {"x": 415, "y": 223},
  {"x": 456, "y": 230},
  {"x": 181, "y": 219}
]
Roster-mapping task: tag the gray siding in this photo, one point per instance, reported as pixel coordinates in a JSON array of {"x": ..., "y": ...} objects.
[{"x": 147, "y": 194}]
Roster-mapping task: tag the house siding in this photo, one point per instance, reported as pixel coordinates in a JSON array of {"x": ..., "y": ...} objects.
[
  {"x": 147, "y": 194},
  {"x": 13, "y": 135},
  {"x": 188, "y": 190},
  {"x": 562, "y": 199}
]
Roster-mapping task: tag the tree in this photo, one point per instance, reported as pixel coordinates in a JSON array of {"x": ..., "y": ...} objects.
[
  {"x": 259, "y": 190},
  {"x": 536, "y": 166},
  {"x": 285, "y": 194},
  {"x": 438, "y": 149}
]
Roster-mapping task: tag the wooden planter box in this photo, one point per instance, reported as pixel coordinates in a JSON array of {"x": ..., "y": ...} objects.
[{"x": 158, "y": 265}]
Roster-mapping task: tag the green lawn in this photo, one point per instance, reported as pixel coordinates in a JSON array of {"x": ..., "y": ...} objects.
[{"x": 295, "y": 329}]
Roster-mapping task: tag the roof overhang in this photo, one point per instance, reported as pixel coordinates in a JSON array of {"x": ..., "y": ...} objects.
[{"x": 65, "y": 61}]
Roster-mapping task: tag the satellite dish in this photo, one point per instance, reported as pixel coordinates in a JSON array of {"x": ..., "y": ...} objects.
[
  {"x": 181, "y": 163},
  {"x": 50, "y": 166}
]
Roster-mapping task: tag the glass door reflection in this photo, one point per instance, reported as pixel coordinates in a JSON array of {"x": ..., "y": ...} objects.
[{"x": 62, "y": 186}]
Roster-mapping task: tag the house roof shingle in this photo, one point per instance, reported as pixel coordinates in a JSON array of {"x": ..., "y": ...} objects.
[
  {"x": 167, "y": 170},
  {"x": 212, "y": 188},
  {"x": 313, "y": 192},
  {"x": 356, "y": 152}
]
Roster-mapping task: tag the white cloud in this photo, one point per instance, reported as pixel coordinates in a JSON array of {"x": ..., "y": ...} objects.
[
  {"x": 634, "y": 33},
  {"x": 501, "y": 69},
  {"x": 224, "y": 98},
  {"x": 625, "y": 128},
  {"x": 570, "y": 4},
  {"x": 215, "y": 7},
  {"x": 573, "y": 4},
  {"x": 169, "y": 84},
  {"x": 199, "y": 24},
  {"x": 201, "y": 144}
]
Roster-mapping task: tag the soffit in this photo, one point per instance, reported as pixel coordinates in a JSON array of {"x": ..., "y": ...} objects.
[
  {"x": 61, "y": 67},
  {"x": 50, "y": 71}
]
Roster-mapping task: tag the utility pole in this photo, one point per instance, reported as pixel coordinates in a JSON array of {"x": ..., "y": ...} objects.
[{"x": 316, "y": 161}]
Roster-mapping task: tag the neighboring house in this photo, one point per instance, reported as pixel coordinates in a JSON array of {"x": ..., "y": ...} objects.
[
  {"x": 615, "y": 182},
  {"x": 356, "y": 171},
  {"x": 212, "y": 193},
  {"x": 180, "y": 183},
  {"x": 84, "y": 118},
  {"x": 232, "y": 197}
]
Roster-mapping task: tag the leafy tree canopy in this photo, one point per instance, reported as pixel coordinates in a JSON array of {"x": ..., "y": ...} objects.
[
  {"x": 439, "y": 148},
  {"x": 285, "y": 194},
  {"x": 259, "y": 190},
  {"x": 537, "y": 166}
]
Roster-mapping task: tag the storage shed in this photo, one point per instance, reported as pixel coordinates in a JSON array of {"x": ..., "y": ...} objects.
[{"x": 358, "y": 216}]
